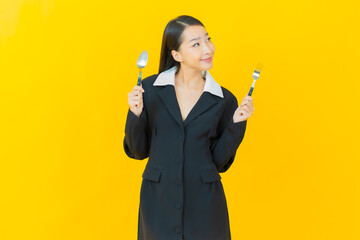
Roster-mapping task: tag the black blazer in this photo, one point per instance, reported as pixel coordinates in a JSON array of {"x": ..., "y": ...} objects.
[{"x": 181, "y": 193}]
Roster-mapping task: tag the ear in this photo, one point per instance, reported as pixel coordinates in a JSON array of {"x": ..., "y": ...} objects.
[{"x": 177, "y": 56}]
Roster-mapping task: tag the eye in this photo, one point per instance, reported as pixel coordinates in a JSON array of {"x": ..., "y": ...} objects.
[{"x": 198, "y": 43}]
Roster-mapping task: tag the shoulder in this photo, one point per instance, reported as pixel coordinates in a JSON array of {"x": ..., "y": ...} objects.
[
  {"x": 229, "y": 97},
  {"x": 149, "y": 81}
]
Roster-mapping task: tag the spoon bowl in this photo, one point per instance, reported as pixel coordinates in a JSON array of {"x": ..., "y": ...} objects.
[
  {"x": 141, "y": 63},
  {"x": 142, "y": 60}
]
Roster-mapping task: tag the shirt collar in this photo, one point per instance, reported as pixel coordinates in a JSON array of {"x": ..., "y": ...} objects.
[{"x": 168, "y": 77}]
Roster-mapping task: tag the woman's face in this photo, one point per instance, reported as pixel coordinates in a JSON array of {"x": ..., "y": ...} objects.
[{"x": 196, "y": 49}]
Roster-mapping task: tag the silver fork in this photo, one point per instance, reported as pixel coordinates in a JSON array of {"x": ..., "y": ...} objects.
[{"x": 255, "y": 76}]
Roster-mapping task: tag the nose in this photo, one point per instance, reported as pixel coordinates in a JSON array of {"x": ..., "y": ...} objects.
[{"x": 206, "y": 48}]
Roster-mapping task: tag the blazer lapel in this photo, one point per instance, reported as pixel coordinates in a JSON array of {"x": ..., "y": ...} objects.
[
  {"x": 205, "y": 101},
  {"x": 168, "y": 97}
]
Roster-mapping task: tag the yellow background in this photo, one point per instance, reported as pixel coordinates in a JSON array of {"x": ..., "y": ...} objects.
[{"x": 66, "y": 67}]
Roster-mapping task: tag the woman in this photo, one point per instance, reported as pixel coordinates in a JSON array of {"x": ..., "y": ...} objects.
[{"x": 190, "y": 128}]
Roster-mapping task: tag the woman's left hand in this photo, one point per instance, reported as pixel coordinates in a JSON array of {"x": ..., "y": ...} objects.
[{"x": 245, "y": 110}]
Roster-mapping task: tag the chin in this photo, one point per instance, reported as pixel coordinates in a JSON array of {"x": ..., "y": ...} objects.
[{"x": 207, "y": 67}]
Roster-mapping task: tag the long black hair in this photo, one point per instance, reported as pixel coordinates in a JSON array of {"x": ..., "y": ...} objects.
[{"x": 172, "y": 40}]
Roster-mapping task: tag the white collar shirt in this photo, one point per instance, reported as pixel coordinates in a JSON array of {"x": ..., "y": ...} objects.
[{"x": 168, "y": 77}]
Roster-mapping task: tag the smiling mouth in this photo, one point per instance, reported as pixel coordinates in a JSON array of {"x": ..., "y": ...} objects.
[{"x": 207, "y": 59}]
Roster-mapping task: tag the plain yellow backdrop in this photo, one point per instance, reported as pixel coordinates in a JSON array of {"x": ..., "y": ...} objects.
[{"x": 66, "y": 67}]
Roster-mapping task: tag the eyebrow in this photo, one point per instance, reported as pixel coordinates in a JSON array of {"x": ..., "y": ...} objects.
[{"x": 197, "y": 38}]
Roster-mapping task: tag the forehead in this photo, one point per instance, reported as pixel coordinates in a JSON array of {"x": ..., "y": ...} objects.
[{"x": 193, "y": 32}]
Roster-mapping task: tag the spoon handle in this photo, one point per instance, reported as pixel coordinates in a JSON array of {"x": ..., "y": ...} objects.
[{"x": 139, "y": 79}]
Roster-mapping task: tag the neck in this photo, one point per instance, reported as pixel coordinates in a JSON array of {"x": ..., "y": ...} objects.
[{"x": 189, "y": 77}]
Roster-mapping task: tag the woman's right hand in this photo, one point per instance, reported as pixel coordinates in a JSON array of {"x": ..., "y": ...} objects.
[{"x": 135, "y": 100}]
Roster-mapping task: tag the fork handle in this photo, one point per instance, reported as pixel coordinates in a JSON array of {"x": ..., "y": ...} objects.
[{"x": 251, "y": 90}]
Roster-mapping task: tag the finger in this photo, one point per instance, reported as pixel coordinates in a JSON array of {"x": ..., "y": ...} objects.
[
  {"x": 133, "y": 93},
  {"x": 248, "y": 111},
  {"x": 250, "y": 106},
  {"x": 133, "y": 103},
  {"x": 245, "y": 102},
  {"x": 133, "y": 107},
  {"x": 242, "y": 104},
  {"x": 139, "y": 88},
  {"x": 137, "y": 91},
  {"x": 243, "y": 112},
  {"x": 250, "y": 98},
  {"x": 134, "y": 97},
  {"x": 246, "y": 108}
]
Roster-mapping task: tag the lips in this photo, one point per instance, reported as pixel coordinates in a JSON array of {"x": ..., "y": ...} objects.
[{"x": 207, "y": 59}]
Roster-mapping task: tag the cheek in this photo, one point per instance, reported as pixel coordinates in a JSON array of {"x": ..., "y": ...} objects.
[{"x": 194, "y": 54}]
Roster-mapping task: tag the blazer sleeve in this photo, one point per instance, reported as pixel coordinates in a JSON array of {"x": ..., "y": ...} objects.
[
  {"x": 136, "y": 141},
  {"x": 224, "y": 147}
]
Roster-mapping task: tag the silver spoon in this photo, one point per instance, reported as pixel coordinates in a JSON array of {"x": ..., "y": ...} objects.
[{"x": 141, "y": 63}]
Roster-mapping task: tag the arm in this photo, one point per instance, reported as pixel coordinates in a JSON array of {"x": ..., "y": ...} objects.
[
  {"x": 224, "y": 148},
  {"x": 136, "y": 141}
]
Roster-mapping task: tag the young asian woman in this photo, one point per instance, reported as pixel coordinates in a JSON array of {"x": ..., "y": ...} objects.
[{"x": 189, "y": 127}]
